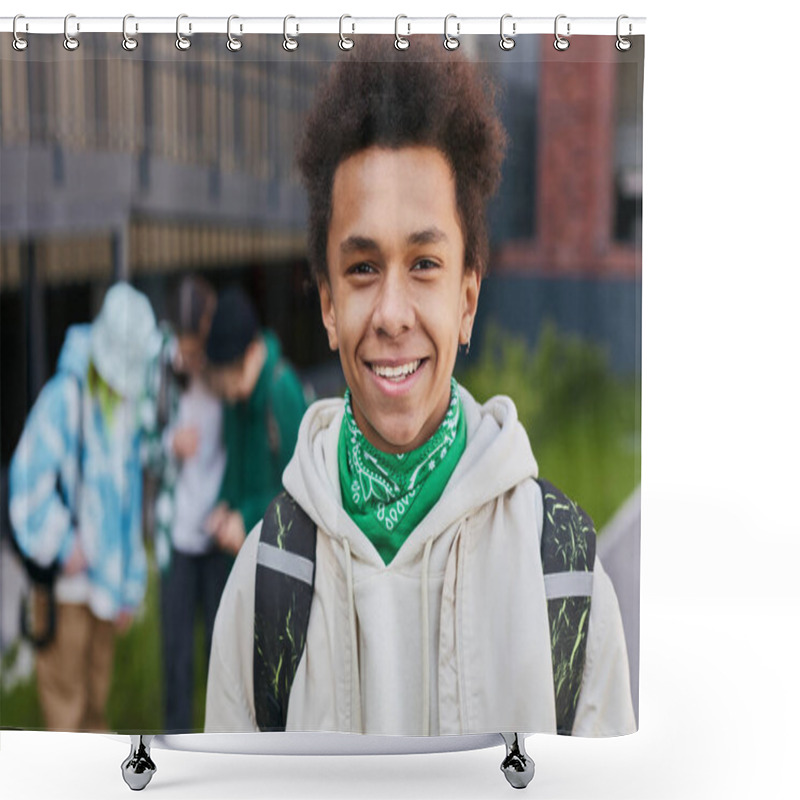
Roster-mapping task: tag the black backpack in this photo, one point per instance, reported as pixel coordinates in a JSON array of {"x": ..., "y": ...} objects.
[{"x": 285, "y": 587}]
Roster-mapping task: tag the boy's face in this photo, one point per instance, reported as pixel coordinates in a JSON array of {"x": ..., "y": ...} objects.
[
  {"x": 235, "y": 382},
  {"x": 192, "y": 354},
  {"x": 398, "y": 300}
]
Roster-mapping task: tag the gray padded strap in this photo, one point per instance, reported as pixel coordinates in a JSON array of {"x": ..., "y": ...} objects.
[
  {"x": 568, "y": 584},
  {"x": 286, "y": 562}
]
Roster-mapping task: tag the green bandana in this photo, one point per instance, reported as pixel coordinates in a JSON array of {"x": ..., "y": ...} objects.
[{"x": 387, "y": 494}]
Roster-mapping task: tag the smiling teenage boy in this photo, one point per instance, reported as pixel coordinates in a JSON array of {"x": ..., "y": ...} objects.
[{"x": 426, "y": 563}]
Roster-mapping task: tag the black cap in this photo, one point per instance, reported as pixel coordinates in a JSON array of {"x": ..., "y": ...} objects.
[{"x": 233, "y": 328}]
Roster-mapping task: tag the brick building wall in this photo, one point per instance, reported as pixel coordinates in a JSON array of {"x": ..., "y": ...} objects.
[{"x": 576, "y": 197}]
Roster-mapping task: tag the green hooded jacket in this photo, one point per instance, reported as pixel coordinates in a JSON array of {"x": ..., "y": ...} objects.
[{"x": 260, "y": 436}]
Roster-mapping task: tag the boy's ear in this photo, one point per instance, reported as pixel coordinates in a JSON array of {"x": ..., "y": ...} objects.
[
  {"x": 328, "y": 312},
  {"x": 471, "y": 289}
]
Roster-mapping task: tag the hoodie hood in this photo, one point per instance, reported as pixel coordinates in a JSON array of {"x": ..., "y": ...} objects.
[
  {"x": 497, "y": 457},
  {"x": 75, "y": 352}
]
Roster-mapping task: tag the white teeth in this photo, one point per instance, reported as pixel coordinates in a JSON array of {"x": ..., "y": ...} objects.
[{"x": 397, "y": 373}]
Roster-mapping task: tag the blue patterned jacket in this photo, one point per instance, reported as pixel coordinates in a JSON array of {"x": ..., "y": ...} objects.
[{"x": 50, "y": 497}]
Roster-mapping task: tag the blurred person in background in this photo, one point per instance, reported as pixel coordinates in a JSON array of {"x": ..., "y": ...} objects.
[
  {"x": 184, "y": 449},
  {"x": 75, "y": 503},
  {"x": 264, "y": 405}
]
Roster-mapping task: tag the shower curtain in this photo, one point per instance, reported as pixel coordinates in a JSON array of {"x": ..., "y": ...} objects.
[{"x": 186, "y": 177}]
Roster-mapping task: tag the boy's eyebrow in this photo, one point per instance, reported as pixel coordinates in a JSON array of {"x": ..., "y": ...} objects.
[
  {"x": 431, "y": 235},
  {"x": 357, "y": 243}
]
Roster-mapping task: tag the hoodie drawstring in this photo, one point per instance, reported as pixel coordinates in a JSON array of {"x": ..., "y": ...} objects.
[
  {"x": 426, "y": 647},
  {"x": 355, "y": 680}
]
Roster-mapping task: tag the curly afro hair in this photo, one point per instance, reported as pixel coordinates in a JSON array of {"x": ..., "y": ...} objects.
[{"x": 429, "y": 96}]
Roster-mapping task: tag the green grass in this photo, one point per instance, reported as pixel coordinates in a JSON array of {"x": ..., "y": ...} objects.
[
  {"x": 582, "y": 420},
  {"x": 596, "y": 460},
  {"x": 19, "y": 708}
]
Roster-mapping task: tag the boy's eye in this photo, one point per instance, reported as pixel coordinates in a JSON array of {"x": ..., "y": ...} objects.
[
  {"x": 362, "y": 268},
  {"x": 425, "y": 264}
]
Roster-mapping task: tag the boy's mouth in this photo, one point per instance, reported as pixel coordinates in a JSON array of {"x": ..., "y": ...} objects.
[{"x": 396, "y": 372}]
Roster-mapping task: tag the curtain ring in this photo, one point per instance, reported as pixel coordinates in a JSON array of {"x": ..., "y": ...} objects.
[
  {"x": 506, "y": 42},
  {"x": 344, "y": 42},
  {"x": 19, "y": 44},
  {"x": 561, "y": 43},
  {"x": 181, "y": 42},
  {"x": 451, "y": 42},
  {"x": 400, "y": 42},
  {"x": 233, "y": 44},
  {"x": 289, "y": 42},
  {"x": 623, "y": 44},
  {"x": 70, "y": 42},
  {"x": 128, "y": 42}
]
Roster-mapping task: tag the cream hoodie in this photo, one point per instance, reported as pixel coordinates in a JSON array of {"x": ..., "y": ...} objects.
[{"x": 452, "y": 636}]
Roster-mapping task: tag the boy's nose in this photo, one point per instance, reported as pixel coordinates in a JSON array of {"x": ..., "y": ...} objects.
[{"x": 394, "y": 310}]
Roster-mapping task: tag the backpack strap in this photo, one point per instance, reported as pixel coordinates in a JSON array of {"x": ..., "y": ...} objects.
[
  {"x": 568, "y": 548},
  {"x": 284, "y": 589}
]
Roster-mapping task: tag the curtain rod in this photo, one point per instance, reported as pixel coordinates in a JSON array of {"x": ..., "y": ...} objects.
[{"x": 299, "y": 25}]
